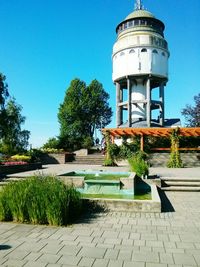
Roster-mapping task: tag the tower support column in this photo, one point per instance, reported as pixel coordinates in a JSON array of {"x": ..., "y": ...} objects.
[
  {"x": 162, "y": 100},
  {"x": 118, "y": 99},
  {"x": 129, "y": 102},
  {"x": 148, "y": 106}
]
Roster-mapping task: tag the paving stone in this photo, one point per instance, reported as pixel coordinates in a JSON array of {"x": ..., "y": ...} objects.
[
  {"x": 35, "y": 264},
  {"x": 31, "y": 246},
  {"x": 92, "y": 252},
  {"x": 185, "y": 245},
  {"x": 111, "y": 254},
  {"x": 17, "y": 255},
  {"x": 69, "y": 260},
  {"x": 14, "y": 263},
  {"x": 33, "y": 256},
  {"x": 184, "y": 259},
  {"x": 166, "y": 258},
  {"x": 49, "y": 258},
  {"x": 54, "y": 265},
  {"x": 157, "y": 244},
  {"x": 69, "y": 250},
  {"x": 114, "y": 241},
  {"x": 145, "y": 257},
  {"x": 86, "y": 262},
  {"x": 100, "y": 263},
  {"x": 115, "y": 263},
  {"x": 127, "y": 242},
  {"x": 51, "y": 248},
  {"x": 125, "y": 255},
  {"x": 135, "y": 236},
  {"x": 155, "y": 265},
  {"x": 197, "y": 258},
  {"x": 150, "y": 237},
  {"x": 133, "y": 264}
]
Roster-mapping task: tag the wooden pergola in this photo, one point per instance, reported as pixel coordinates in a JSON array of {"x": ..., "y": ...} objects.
[{"x": 157, "y": 132}]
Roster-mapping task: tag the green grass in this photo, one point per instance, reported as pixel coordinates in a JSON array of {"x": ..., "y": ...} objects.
[{"x": 39, "y": 200}]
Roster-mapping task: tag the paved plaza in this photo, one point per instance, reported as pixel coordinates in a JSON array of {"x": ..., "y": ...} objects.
[{"x": 118, "y": 239}]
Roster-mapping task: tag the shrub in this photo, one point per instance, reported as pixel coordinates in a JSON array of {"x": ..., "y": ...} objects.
[
  {"x": 87, "y": 142},
  {"x": 40, "y": 200},
  {"x": 139, "y": 166},
  {"x": 21, "y": 158},
  {"x": 52, "y": 150},
  {"x": 109, "y": 162}
]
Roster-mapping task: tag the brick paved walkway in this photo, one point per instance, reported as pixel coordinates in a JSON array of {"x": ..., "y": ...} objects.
[{"x": 111, "y": 239}]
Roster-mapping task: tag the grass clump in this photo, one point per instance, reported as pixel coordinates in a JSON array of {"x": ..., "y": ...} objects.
[
  {"x": 139, "y": 165},
  {"x": 40, "y": 200}
]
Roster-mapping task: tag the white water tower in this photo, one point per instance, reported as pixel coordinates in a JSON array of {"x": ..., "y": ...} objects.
[{"x": 140, "y": 64}]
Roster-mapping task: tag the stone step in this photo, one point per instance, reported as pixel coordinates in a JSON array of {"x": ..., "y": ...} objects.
[
  {"x": 180, "y": 179},
  {"x": 181, "y": 183},
  {"x": 181, "y": 188}
]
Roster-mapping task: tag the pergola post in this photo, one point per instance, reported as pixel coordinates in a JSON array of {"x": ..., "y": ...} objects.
[{"x": 142, "y": 142}]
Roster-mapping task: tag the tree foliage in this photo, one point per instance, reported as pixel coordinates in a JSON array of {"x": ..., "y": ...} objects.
[
  {"x": 14, "y": 139},
  {"x": 84, "y": 109},
  {"x": 192, "y": 113}
]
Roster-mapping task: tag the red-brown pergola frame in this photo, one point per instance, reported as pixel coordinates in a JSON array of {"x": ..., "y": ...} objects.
[{"x": 158, "y": 132}]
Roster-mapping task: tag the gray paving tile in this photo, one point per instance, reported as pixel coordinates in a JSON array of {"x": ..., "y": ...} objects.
[
  {"x": 69, "y": 250},
  {"x": 100, "y": 263},
  {"x": 49, "y": 258},
  {"x": 145, "y": 256},
  {"x": 184, "y": 259},
  {"x": 155, "y": 265},
  {"x": 115, "y": 263},
  {"x": 166, "y": 258},
  {"x": 14, "y": 263},
  {"x": 133, "y": 264},
  {"x": 69, "y": 260},
  {"x": 92, "y": 252},
  {"x": 111, "y": 254},
  {"x": 35, "y": 264},
  {"x": 86, "y": 262}
]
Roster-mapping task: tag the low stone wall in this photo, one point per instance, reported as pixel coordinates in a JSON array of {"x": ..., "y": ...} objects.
[
  {"x": 153, "y": 205},
  {"x": 189, "y": 159},
  {"x": 19, "y": 168},
  {"x": 57, "y": 158}
]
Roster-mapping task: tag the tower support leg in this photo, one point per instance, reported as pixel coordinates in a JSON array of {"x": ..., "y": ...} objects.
[
  {"x": 148, "y": 107},
  {"x": 162, "y": 100},
  {"x": 118, "y": 111},
  {"x": 129, "y": 102}
]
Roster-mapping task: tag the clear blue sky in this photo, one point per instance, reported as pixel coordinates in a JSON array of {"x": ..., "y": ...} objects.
[{"x": 44, "y": 44}]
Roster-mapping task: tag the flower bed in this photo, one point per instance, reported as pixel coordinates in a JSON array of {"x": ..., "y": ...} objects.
[{"x": 9, "y": 163}]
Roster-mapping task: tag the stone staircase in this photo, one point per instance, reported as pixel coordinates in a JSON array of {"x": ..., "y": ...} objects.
[
  {"x": 180, "y": 184},
  {"x": 91, "y": 159}
]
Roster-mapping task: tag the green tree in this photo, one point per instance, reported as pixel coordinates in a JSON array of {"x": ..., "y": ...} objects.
[
  {"x": 84, "y": 109},
  {"x": 52, "y": 143},
  {"x": 3, "y": 96},
  {"x": 192, "y": 113},
  {"x": 13, "y": 139}
]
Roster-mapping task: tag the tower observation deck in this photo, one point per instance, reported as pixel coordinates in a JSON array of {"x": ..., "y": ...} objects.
[{"x": 140, "y": 65}]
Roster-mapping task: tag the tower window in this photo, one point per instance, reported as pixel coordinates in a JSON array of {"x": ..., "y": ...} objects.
[
  {"x": 163, "y": 54},
  {"x": 144, "y": 50},
  {"x": 155, "y": 51},
  {"x": 131, "y": 51}
]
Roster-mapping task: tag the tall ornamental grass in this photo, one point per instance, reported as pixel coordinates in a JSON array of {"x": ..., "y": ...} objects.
[{"x": 40, "y": 200}]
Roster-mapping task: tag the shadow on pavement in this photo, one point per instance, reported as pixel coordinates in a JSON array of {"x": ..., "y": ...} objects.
[
  {"x": 4, "y": 247},
  {"x": 166, "y": 205}
]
